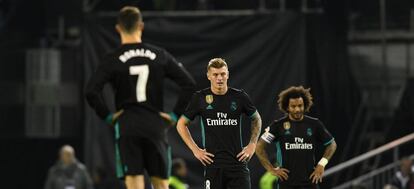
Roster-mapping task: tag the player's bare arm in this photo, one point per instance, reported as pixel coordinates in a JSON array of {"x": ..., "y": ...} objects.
[
  {"x": 330, "y": 150},
  {"x": 256, "y": 128},
  {"x": 201, "y": 154},
  {"x": 167, "y": 117},
  {"x": 249, "y": 150},
  {"x": 317, "y": 174},
  {"x": 117, "y": 114},
  {"x": 281, "y": 173}
]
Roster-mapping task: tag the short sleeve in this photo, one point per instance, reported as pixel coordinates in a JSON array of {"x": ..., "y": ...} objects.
[
  {"x": 323, "y": 134},
  {"x": 248, "y": 108},
  {"x": 193, "y": 107}
]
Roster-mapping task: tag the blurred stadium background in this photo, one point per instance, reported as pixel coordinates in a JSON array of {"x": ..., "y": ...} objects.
[{"x": 357, "y": 56}]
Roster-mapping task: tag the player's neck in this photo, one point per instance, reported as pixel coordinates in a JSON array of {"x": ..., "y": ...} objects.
[
  {"x": 131, "y": 38},
  {"x": 293, "y": 119},
  {"x": 219, "y": 90}
]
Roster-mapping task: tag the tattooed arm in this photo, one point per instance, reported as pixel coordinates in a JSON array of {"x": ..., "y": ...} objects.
[
  {"x": 280, "y": 172},
  {"x": 256, "y": 128},
  {"x": 262, "y": 155},
  {"x": 330, "y": 150},
  {"x": 317, "y": 174},
  {"x": 249, "y": 150},
  {"x": 201, "y": 154}
]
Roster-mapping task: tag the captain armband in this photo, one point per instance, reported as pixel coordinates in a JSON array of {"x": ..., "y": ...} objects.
[{"x": 267, "y": 137}]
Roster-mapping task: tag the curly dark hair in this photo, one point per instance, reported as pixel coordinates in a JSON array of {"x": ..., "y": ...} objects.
[{"x": 294, "y": 92}]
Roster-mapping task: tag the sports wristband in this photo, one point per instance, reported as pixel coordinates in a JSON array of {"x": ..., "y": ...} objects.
[
  {"x": 173, "y": 116},
  {"x": 277, "y": 168},
  {"x": 323, "y": 162}
]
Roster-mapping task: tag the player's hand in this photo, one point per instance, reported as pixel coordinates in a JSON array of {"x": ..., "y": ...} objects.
[
  {"x": 203, "y": 156},
  {"x": 281, "y": 173},
  {"x": 317, "y": 174},
  {"x": 116, "y": 115},
  {"x": 247, "y": 153},
  {"x": 168, "y": 118}
]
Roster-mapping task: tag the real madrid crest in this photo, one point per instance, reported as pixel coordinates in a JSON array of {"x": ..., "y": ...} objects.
[
  {"x": 286, "y": 125},
  {"x": 233, "y": 106},
  {"x": 209, "y": 99},
  {"x": 309, "y": 132}
]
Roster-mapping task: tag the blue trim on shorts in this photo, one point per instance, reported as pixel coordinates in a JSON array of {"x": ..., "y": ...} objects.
[{"x": 118, "y": 163}]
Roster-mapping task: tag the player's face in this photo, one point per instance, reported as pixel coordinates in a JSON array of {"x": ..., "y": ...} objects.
[
  {"x": 296, "y": 108},
  {"x": 182, "y": 171},
  {"x": 218, "y": 77},
  {"x": 406, "y": 166},
  {"x": 66, "y": 157}
]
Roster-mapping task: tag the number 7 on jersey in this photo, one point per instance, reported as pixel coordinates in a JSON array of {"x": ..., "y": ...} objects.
[{"x": 142, "y": 71}]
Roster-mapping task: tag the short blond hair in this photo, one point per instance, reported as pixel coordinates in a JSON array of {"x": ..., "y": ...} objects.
[{"x": 216, "y": 63}]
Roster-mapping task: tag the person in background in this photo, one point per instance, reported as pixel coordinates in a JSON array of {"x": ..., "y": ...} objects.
[
  {"x": 268, "y": 180},
  {"x": 404, "y": 178},
  {"x": 68, "y": 172},
  {"x": 179, "y": 174}
]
